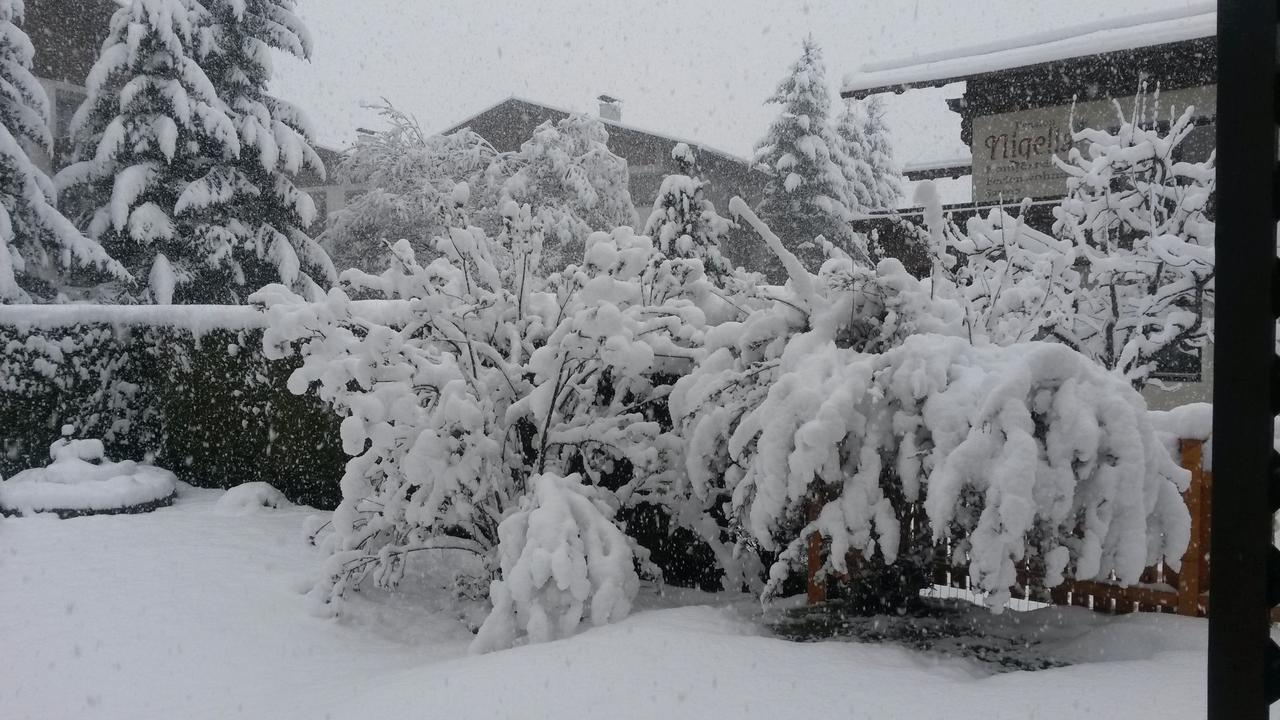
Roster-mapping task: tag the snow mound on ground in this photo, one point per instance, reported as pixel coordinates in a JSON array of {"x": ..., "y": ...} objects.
[
  {"x": 250, "y": 498},
  {"x": 80, "y": 479}
]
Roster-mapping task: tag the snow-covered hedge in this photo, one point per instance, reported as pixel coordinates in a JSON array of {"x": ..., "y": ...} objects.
[{"x": 185, "y": 386}]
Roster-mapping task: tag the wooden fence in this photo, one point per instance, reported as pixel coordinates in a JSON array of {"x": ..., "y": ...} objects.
[{"x": 1160, "y": 589}]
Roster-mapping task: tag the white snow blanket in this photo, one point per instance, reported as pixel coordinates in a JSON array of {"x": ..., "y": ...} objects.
[{"x": 80, "y": 479}]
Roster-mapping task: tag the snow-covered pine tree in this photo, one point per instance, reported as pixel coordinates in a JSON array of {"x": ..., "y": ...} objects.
[
  {"x": 874, "y": 182},
  {"x": 250, "y": 202},
  {"x": 151, "y": 130},
  {"x": 571, "y": 181},
  {"x": 38, "y": 246},
  {"x": 683, "y": 223},
  {"x": 805, "y": 195}
]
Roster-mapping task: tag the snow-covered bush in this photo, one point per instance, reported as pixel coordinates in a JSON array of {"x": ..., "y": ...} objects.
[
  {"x": 1140, "y": 222},
  {"x": 410, "y": 178},
  {"x": 856, "y": 409},
  {"x": 497, "y": 374},
  {"x": 562, "y": 559},
  {"x": 39, "y": 248},
  {"x": 572, "y": 184}
]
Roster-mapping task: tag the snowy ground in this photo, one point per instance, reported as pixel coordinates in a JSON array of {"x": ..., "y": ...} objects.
[{"x": 189, "y": 612}]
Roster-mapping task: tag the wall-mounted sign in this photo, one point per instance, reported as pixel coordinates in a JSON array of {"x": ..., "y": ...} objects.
[{"x": 1013, "y": 152}]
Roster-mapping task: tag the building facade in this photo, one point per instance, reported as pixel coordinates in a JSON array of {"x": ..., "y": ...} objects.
[{"x": 1022, "y": 98}]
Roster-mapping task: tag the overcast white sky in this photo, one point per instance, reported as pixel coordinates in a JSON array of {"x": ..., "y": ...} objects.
[{"x": 696, "y": 69}]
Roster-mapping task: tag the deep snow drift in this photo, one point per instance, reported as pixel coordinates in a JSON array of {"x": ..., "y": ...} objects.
[{"x": 195, "y": 612}]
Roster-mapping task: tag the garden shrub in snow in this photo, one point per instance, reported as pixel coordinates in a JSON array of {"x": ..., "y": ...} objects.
[
  {"x": 562, "y": 559},
  {"x": 857, "y": 399},
  {"x": 498, "y": 374}
]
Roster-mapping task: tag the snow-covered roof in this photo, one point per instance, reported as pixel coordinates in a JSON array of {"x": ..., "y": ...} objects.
[
  {"x": 610, "y": 123},
  {"x": 1100, "y": 36}
]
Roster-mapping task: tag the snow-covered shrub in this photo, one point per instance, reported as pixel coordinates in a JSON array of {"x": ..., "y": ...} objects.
[
  {"x": 39, "y": 247},
  {"x": 410, "y": 178},
  {"x": 856, "y": 409},
  {"x": 497, "y": 374},
  {"x": 562, "y": 559},
  {"x": 571, "y": 182},
  {"x": 249, "y": 498},
  {"x": 1139, "y": 219},
  {"x": 185, "y": 386}
]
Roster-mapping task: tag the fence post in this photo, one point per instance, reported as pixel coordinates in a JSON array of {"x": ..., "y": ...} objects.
[
  {"x": 815, "y": 587},
  {"x": 1189, "y": 577}
]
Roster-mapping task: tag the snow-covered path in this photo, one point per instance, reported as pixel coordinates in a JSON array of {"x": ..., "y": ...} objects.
[{"x": 186, "y": 613}]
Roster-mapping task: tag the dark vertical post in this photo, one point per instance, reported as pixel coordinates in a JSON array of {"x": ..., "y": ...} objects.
[{"x": 1244, "y": 353}]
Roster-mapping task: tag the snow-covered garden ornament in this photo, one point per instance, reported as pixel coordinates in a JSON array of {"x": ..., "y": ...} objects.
[{"x": 81, "y": 481}]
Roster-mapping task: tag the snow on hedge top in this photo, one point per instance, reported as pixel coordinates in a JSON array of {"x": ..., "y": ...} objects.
[
  {"x": 1091, "y": 38},
  {"x": 196, "y": 319}
]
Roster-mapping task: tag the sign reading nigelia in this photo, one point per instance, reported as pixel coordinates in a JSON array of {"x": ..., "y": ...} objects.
[{"x": 1013, "y": 152}]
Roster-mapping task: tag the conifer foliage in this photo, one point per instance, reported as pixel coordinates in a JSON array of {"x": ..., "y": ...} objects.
[
  {"x": 38, "y": 246},
  {"x": 683, "y": 222},
  {"x": 185, "y": 178},
  {"x": 252, "y": 201},
  {"x": 874, "y": 182},
  {"x": 806, "y": 194}
]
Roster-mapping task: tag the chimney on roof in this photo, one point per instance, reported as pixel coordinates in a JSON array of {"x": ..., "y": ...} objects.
[{"x": 610, "y": 108}]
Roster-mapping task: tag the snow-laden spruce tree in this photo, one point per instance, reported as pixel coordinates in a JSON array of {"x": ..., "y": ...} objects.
[
  {"x": 483, "y": 374},
  {"x": 39, "y": 248},
  {"x": 409, "y": 178},
  {"x": 571, "y": 181},
  {"x": 806, "y": 191},
  {"x": 683, "y": 222},
  {"x": 1139, "y": 219},
  {"x": 249, "y": 203},
  {"x": 855, "y": 409},
  {"x": 865, "y": 153},
  {"x": 149, "y": 131}
]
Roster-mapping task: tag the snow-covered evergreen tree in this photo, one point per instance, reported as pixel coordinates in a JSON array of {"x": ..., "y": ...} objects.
[
  {"x": 684, "y": 223},
  {"x": 249, "y": 202},
  {"x": 805, "y": 195},
  {"x": 410, "y": 178},
  {"x": 39, "y": 247},
  {"x": 873, "y": 179},
  {"x": 149, "y": 141},
  {"x": 574, "y": 185}
]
